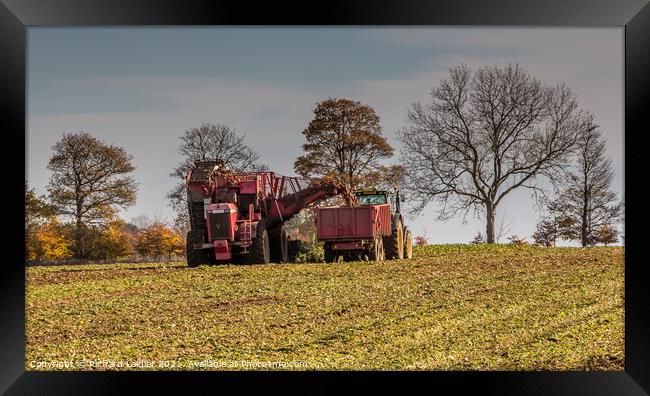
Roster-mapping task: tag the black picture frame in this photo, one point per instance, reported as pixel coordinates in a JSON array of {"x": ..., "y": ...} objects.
[{"x": 634, "y": 15}]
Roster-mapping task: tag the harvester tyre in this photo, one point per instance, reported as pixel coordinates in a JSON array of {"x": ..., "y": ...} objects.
[
  {"x": 260, "y": 252},
  {"x": 195, "y": 257},
  {"x": 408, "y": 244},
  {"x": 394, "y": 244}
]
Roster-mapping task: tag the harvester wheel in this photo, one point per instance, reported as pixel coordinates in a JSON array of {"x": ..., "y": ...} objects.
[
  {"x": 195, "y": 257},
  {"x": 408, "y": 244},
  {"x": 260, "y": 250},
  {"x": 395, "y": 243}
]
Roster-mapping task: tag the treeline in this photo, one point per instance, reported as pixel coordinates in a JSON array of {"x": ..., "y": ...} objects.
[
  {"x": 90, "y": 182},
  {"x": 483, "y": 135},
  {"x": 489, "y": 132},
  {"x": 48, "y": 238}
]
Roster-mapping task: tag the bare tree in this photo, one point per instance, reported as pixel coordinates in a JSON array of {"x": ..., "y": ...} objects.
[
  {"x": 208, "y": 142},
  {"x": 484, "y": 135},
  {"x": 90, "y": 181},
  {"x": 141, "y": 221},
  {"x": 586, "y": 203}
]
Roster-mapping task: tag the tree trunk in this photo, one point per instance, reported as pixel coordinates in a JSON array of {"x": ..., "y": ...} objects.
[
  {"x": 585, "y": 206},
  {"x": 583, "y": 226},
  {"x": 490, "y": 211},
  {"x": 79, "y": 251},
  {"x": 78, "y": 239}
]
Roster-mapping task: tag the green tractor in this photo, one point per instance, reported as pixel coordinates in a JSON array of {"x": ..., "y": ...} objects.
[{"x": 399, "y": 244}]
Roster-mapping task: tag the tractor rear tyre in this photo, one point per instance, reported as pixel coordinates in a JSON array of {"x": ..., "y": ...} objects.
[
  {"x": 395, "y": 243},
  {"x": 408, "y": 244},
  {"x": 195, "y": 257},
  {"x": 260, "y": 252}
]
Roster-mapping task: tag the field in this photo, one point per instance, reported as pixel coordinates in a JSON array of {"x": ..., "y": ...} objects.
[{"x": 453, "y": 307}]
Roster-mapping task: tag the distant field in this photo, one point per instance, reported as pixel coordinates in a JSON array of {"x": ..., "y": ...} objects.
[{"x": 453, "y": 307}]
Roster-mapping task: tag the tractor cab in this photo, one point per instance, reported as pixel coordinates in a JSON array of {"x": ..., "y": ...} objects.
[{"x": 379, "y": 197}]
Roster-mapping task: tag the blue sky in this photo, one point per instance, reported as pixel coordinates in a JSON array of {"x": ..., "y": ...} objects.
[{"x": 142, "y": 87}]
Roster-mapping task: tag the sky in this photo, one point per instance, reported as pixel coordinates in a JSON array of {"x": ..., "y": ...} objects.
[{"x": 142, "y": 87}]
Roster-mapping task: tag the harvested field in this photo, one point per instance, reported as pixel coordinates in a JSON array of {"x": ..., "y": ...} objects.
[{"x": 453, "y": 307}]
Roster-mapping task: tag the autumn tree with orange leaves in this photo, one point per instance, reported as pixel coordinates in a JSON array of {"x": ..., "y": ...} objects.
[
  {"x": 345, "y": 142},
  {"x": 50, "y": 242},
  {"x": 91, "y": 180},
  {"x": 421, "y": 241},
  {"x": 115, "y": 241},
  {"x": 45, "y": 236},
  {"x": 158, "y": 240}
]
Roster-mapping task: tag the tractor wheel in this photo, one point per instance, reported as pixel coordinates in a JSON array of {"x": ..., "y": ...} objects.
[
  {"x": 195, "y": 257},
  {"x": 260, "y": 250},
  {"x": 330, "y": 255},
  {"x": 279, "y": 241},
  {"x": 395, "y": 243},
  {"x": 376, "y": 250},
  {"x": 408, "y": 244}
]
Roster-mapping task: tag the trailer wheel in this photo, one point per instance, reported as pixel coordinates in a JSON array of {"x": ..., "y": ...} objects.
[
  {"x": 260, "y": 250},
  {"x": 395, "y": 243},
  {"x": 195, "y": 257},
  {"x": 408, "y": 244}
]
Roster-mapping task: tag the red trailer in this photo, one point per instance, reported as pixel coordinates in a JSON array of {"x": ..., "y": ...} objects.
[{"x": 369, "y": 231}]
